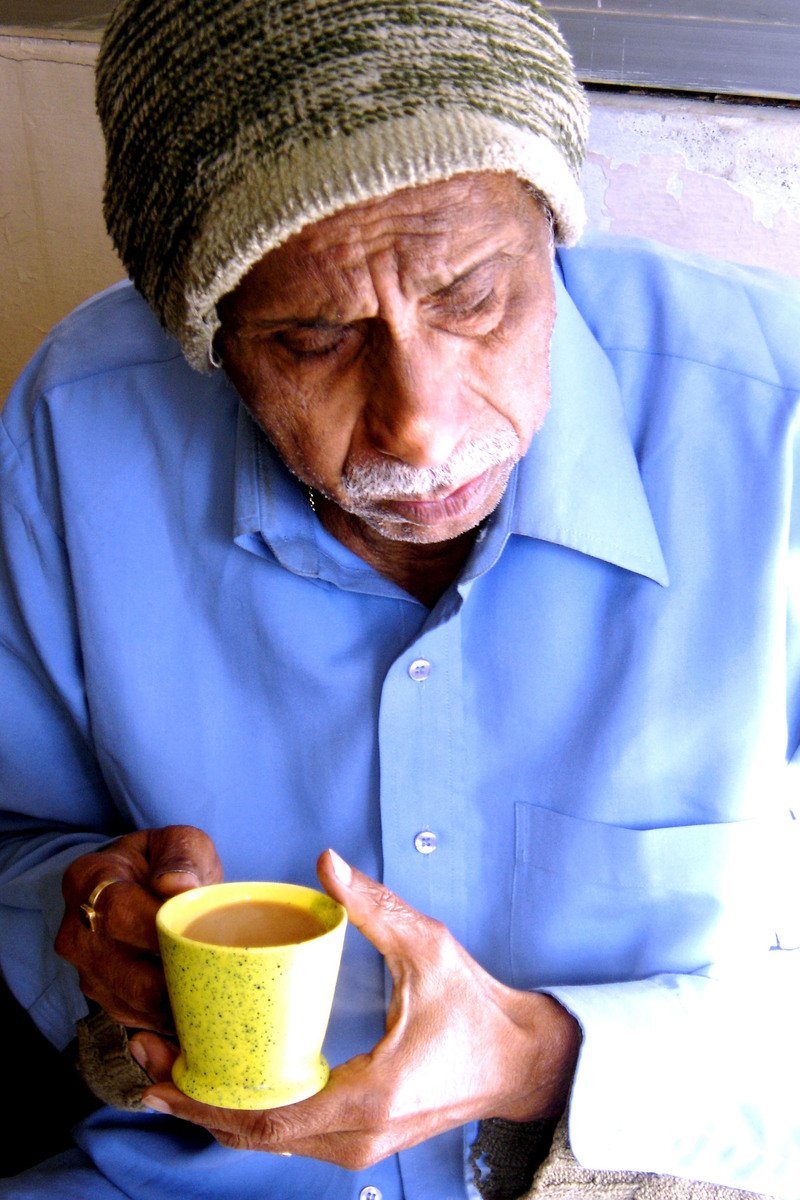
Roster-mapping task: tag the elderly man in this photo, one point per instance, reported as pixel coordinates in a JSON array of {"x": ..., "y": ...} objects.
[{"x": 464, "y": 560}]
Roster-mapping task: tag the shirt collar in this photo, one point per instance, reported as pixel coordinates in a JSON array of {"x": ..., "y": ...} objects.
[
  {"x": 273, "y": 518},
  {"x": 578, "y": 486},
  {"x": 272, "y": 512}
]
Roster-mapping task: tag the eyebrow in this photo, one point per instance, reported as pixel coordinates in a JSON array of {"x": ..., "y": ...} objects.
[
  {"x": 501, "y": 257},
  {"x": 270, "y": 324},
  {"x": 236, "y": 323},
  {"x": 266, "y": 325}
]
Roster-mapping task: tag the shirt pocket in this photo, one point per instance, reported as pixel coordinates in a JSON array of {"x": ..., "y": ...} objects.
[{"x": 594, "y": 902}]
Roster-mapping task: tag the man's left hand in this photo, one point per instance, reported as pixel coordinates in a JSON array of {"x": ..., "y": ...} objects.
[{"x": 459, "y": 1046}]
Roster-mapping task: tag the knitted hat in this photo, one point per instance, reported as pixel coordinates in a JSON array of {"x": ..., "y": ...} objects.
[{"x": 231, "y": 124}]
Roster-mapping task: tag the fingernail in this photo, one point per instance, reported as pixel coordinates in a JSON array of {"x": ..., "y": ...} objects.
[
  {"x": 341, "y": 870},
  {"x": 157, "y": 1104},
  {"x": 165, "y": 871},
  {"x": 139, "y": 1055}
]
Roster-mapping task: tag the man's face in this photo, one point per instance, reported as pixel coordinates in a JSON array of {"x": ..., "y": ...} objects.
[{"x": 397, "y": 353}]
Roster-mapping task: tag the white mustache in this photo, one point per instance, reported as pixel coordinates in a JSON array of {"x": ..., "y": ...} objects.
[{"x": 392, "y": 480}]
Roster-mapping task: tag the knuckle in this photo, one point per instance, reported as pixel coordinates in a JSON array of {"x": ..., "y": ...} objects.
[
  {"x": 115, "y": 901},
  {"x": 80, "y": 876},
  {"x": 183, "y": 839},
  {"x": 271, "y": 1127},
  {"x": 123, "y": 847},
  {"x": 184, "y": 849},
  {"x": 391, "y": 908},
  {"x": 176, "y": 855},
  {"x": 387, "y": 901},
  {"x": 253, "y": 1129}
]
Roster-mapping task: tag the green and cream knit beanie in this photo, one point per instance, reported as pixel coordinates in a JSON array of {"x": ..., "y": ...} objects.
[{"x": 231, "y": 124}]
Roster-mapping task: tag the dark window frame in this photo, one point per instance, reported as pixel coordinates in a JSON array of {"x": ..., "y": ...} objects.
[{"x": 716, "y": 47}]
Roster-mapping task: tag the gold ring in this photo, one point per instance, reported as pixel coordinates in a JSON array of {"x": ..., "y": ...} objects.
[{"x": 89, "y": 914}]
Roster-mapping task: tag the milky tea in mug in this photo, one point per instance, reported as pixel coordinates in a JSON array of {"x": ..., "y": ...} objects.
[{"x": 251, "y": 969}]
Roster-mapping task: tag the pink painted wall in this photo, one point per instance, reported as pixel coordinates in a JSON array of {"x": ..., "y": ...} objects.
[{"x": 723, "y": 179}]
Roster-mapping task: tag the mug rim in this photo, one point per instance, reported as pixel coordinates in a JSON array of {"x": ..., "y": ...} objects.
[{"x": 244, "y": 890}]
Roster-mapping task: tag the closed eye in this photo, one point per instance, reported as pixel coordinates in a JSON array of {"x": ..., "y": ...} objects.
[
  {"x": 312, "y": 341},
  {"x": 471, "y": 297},
  {"x": 468, "y": 314},
  {"x": 470, "y": 306}
]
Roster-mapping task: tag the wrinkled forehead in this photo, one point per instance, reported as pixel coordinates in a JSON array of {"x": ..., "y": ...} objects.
[{"x": 425, "y": 235}]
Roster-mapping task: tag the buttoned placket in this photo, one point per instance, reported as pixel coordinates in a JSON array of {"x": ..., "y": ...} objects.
[{"x": 426, "y": 832}]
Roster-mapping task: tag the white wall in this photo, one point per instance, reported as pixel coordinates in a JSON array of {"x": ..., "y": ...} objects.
[
  {"x": 54, "y": 250},
  {"x": 723, "y": 178}
]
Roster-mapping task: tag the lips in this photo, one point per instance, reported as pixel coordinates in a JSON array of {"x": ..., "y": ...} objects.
[{"x": 436, "y": 509}]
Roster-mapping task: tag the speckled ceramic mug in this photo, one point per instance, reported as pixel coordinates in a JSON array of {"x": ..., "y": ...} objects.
[{"x": 250, "y": 1019}]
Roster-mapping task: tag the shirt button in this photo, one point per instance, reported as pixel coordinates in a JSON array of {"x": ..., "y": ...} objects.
[
  {"x": 426, "y": 841},
  {"x": 420, "y": 669},
  {"x": 370, "y": 1193}
]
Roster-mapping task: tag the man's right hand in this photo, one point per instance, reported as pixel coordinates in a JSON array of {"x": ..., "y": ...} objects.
[{"x": 118, "y": 962}]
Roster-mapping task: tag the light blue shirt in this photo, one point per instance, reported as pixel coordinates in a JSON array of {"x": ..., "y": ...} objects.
[{"x": 582, "y": 760}]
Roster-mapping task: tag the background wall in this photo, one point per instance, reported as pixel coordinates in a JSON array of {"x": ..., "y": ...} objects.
[
  {"x": 718, "y": 177},
  {"x": 54, "y": 250}
]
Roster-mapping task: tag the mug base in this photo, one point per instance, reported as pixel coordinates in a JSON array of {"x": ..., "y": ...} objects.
[{"x": 238, "y": 1095}]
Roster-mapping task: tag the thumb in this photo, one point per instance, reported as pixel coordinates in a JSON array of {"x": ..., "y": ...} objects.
[
  {"x": 388, "y": 922},
  {"x": 182, "y": 857}
]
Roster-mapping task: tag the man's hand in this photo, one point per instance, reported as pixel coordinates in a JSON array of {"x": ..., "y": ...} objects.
[
  {"x": 459, "y": 1046},
  {"x": 117, "y": 962}
]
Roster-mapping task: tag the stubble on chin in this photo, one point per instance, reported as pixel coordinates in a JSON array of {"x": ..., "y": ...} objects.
[{"x": 399, "y": 527}]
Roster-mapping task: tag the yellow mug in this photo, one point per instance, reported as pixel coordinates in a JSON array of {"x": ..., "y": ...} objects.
[{"x": 251, "y": 970}]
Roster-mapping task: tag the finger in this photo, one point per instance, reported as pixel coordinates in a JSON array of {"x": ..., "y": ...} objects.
[
  {"x": 130, "y": 988},
  {"x": 343, "y": 1124},
  {"x": 124, "y": 911},
  {"x": 182, "y": 857},
  {"x": 163, "y": 862},
  {"x": 117, "y": 862},
  {"x": 117, "y": 958},
  {"x": 336, "y": 1108},
  {"x": 392, "y": 926},
  {"x": 155, "y": 1055}
]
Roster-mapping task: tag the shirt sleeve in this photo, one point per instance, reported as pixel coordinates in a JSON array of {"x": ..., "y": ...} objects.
[
  {"x": 54, "y": 805},
  {"x": 693, "y": 1076},
  {"x": 698, "y": 1075}
]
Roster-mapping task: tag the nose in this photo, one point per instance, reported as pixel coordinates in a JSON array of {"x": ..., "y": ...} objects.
[{"x": 417, "y": 408}]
